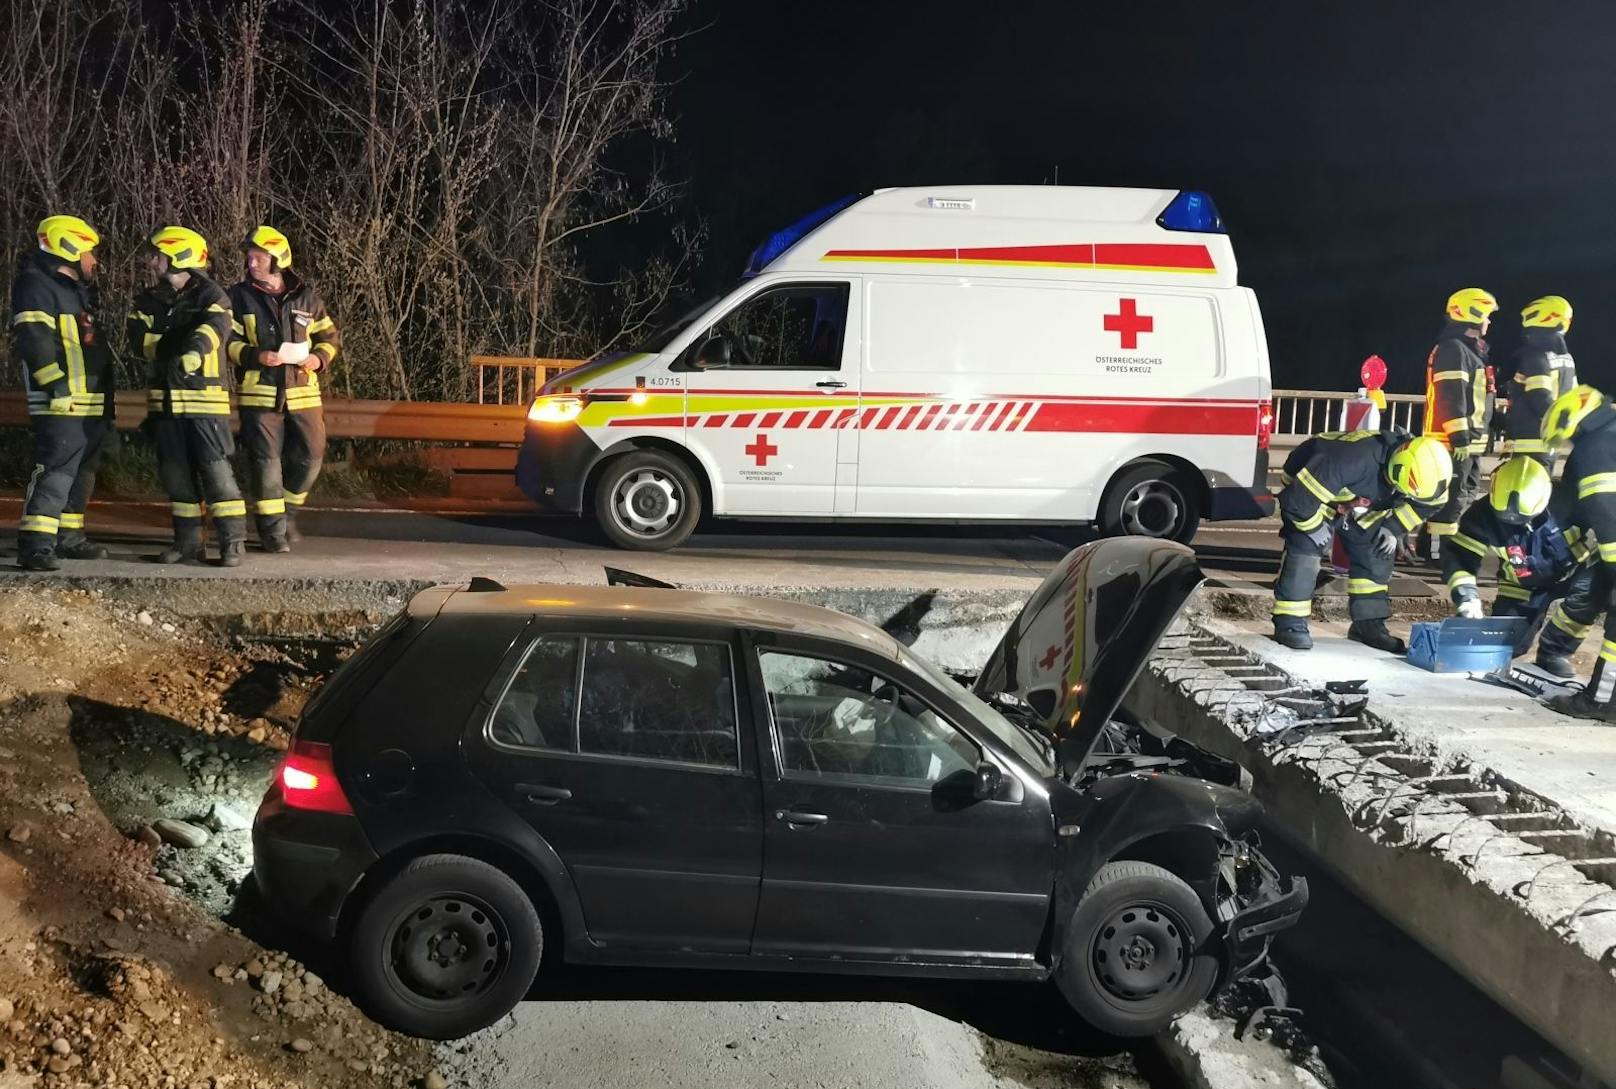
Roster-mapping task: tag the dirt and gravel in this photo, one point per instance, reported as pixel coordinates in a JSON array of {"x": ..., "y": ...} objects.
[{"x": 132, "y": 754}]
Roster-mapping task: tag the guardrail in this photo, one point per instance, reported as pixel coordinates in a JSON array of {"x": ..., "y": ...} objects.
[
  {"x": 1308, "y": 412},
  {"x": 520, "y": 376},
  {"x": 426, "y": 421}
]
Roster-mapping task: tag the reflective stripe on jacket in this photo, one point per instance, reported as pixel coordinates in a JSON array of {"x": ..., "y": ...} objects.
[{"x": 53, "y": 336}]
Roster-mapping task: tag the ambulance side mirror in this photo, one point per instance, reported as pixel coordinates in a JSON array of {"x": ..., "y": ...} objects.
[{"x": 714, "y": 352}]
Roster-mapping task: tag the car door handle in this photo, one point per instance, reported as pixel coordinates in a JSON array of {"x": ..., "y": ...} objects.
[
  {"x": 795, "y": 818},
  {"x": 543, "y": 795},
  {"x": 831, "y": 385}
]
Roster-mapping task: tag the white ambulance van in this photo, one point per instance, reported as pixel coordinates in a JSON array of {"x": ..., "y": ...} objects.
[{"x": 951, "y": 354}]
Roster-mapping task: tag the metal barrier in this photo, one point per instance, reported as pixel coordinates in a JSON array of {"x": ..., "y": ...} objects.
[
  {"x": 507, "y": 379},
  {"x": 428, "y": 421},
  {"x": 1308, "y": 412}
]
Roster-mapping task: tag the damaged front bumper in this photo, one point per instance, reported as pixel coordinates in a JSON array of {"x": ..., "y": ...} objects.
[{"x": 1264, "y": 903}]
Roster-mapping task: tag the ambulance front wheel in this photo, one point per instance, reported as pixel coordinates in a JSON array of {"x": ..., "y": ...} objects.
[
  {"x": 647, "y": 500},
  {"x": 1152, "y": 499}
]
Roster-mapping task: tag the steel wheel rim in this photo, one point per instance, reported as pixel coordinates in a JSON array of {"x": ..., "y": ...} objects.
[
  {"x": 1152, "y": 508},
  {"x": 1142, "y": 952},
  {"x": 647, "y": 502},
  {"x": 449, "y": 948}
]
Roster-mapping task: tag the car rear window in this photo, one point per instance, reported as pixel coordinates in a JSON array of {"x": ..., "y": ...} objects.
[{"x": 336, "y": 698}]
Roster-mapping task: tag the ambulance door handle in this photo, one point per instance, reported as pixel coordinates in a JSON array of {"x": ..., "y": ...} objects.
[{"x": 830, "y": 385}]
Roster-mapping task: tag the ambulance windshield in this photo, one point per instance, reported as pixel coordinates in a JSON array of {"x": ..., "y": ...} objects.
[{"x": 658, "y": 341}]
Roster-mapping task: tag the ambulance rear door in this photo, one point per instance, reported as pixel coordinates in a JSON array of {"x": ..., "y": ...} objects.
[{"x": 772, "y": 391}]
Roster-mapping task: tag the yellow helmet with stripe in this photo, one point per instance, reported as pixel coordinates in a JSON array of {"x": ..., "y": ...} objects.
[
  {"x": 272, "y": 242},
  {"x": 1421, "y": 469},
  {"x": 1560, "y": 423},
  {"x": 1471, "y": 305},
  {"x": 183, "y": 247},
  {"x": 1520, "y": 490},
  {"x": 1549, "y": 312},
  {"x": 67, "y": 237}
]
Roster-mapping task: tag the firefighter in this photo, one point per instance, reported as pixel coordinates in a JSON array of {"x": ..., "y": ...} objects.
[
  {"x": 1586, "y": 419},
  {"x": 282, "y": 340},
  {"x": 1544, "y": 370},
  {"x": 67, "y": 377},
  {"x": 1541, "y": 558},
  {"x": 1388, "y": 483},
  {"x": 181, "y": 325},
  {"x": 1456, "y": 404}
]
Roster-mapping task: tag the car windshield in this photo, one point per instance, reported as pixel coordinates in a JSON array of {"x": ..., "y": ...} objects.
[
  {"x": 658, "y": 341},
  {"x": 1034, "y": 754}
]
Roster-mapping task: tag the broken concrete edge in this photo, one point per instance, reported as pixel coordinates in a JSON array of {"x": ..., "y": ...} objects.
[
  {"x": 1202, "y": 1050},
  {"x": 1504, "y": 913}
]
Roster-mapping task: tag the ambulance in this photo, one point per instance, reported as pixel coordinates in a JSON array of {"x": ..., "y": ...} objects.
[{"x": 947, "y": 354}]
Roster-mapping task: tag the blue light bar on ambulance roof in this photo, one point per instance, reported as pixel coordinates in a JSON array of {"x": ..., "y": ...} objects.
[
  {"x": 1192, "y": 210},
  {"x": 782, "y": 240}
]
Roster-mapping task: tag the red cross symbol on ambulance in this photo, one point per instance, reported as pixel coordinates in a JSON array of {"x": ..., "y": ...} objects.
[{"x": 1128, "y": 323}]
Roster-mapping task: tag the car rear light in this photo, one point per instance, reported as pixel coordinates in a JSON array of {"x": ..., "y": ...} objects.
[
  {"x": 1265, "y": 423},
  {"x": 308, "y": 779}
]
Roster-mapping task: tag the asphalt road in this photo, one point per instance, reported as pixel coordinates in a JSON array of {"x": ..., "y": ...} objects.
[{"x": 448, "y": 543}]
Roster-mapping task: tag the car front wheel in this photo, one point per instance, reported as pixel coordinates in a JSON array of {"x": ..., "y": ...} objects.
[
  {"x": 447, "y": 946},
  {"x": 1136, "y": 954},
  {"x": 647, "y": 500}
]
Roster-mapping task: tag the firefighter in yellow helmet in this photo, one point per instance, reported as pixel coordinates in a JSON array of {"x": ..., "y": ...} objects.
[
  {"x": 282, "y": 341},
  {"x": 1541, "y": 558},
  {"x": 1544, "y": 370},
  {"x": 1373, "y": 487},
  {"x": 68, "y": 381},
  {"x": 1456, "y": 403},
  {"x": 180, "y": 325},
  {"x": 1586, "y": 420}
]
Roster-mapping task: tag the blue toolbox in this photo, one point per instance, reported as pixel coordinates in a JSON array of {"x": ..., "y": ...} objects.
[{"x": 1460, "y": 645}]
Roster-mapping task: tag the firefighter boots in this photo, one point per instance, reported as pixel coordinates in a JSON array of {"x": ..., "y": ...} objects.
[
  {"x": 1373, "y": 633},
  {"x": 1293, "y": 634},
  {"x": 39, "y": 560},
  {"x": 1557, "y": 665}
]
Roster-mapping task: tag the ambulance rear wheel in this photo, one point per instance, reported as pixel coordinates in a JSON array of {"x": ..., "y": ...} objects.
[
  {"x": 647, "y": 501},
  {"x": 1152, "y": 499}
]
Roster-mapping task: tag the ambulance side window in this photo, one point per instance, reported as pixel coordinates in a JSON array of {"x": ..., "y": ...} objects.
[{"x": 791, "y": 327}]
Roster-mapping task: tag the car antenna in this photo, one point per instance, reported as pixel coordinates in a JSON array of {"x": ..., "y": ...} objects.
[
  {"x": 616, "y": 576},
  {"x": 481, "y": 585}
]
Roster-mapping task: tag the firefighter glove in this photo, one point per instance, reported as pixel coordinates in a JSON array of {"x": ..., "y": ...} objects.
[
  {"x": 1321, "y": 537},
  {"x": 1470, "y": 610},
  {"x": 1385, "y": 542}
]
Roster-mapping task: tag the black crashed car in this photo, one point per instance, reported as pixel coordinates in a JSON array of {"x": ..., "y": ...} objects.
[{"x": 659, "y": 777}]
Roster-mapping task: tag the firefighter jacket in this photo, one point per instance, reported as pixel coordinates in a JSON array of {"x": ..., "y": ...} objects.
[
  {"x": 1456, "y": 391},
  {"x": 263, "y": 321},
  {"x": 1531, "y": 557},
  {"x": 1543, "y": 371},
  {"x": 53, "y": 336},
  {"x": 1347, "y": 469},
  {"x": 1591, "y": 471},
  {"x": 182, "y": 337}
]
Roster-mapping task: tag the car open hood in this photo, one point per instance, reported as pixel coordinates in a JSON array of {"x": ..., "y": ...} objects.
[{"x": 1087, "y": 631}]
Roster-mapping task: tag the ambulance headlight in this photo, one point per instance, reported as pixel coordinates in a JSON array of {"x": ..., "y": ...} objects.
[{"x": 555, "y": 409}]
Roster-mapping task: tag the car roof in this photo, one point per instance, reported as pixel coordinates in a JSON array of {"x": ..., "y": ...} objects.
[{"x": 613, "y": 602}]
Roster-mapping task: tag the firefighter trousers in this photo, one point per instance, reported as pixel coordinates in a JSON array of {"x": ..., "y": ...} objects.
[
  {"x": 1369, "y": 575},
  {"x": 1544, "y": 611},
  {"x": 284, "y": 451},
  {"x": 66, "y": 449},
  {"x": 1462, "y": 492},
  {"x": 192, "y": 455},
  {"x": 1572, "y": 617}
]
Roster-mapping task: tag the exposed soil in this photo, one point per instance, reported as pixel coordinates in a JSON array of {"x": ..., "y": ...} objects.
[{"x": 126, "y": 959}]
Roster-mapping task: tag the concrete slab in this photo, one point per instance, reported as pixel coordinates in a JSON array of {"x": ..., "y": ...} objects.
[{"x": 1441, "y": 807}]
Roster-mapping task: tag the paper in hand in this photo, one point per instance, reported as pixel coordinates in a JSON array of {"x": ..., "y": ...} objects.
[{"x": 293, "y": 351}]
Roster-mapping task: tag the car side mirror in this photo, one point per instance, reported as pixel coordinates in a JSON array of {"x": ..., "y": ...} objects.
[
  {"x": 715, "y": 351},
  {"x": 987, "y": 781}
]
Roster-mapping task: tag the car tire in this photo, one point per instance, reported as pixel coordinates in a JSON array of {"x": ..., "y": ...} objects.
[
  {"x": 1151, "y": 499},
  {"x": 647, "y": 501},
  {"x": 413, "y": 944},
  {"x": 1136, "y": 953}
]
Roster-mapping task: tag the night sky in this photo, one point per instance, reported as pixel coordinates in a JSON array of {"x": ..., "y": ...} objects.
[{"x": 1368, "y": 158}]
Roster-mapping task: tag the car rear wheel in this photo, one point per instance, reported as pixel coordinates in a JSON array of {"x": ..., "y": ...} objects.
[
  {"x": 1151, "y": 499},
  {"x": 1136, "y": 952},
  {"x": 446, "y": 947},
  {"x": 647, "y": 501}
]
